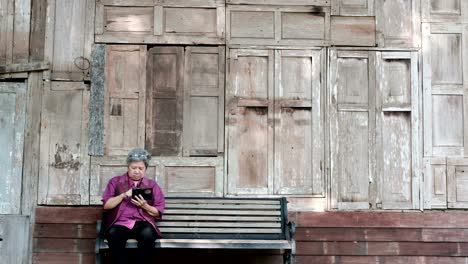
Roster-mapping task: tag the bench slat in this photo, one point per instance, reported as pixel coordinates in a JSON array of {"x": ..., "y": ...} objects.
[
  {"x": 217, "y": 224},
  {"x": 220, "y": 230},
  {"x": 220, "y": 212},
  {"x": 220, "y": 218},
  {"x": 213, "y": 243},
  {"x": 224, "y": 206},
  {"x": 219, "y": 201}
]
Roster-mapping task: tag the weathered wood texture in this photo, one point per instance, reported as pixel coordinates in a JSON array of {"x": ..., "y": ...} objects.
[
  {"x": 270, "y": 25},
  {"x": 374, "y": 122},
  {"x": 352, "y": 7},
  {"x": 96, "y": 101},
  {"x": 445, "y": 11},
  {"x": 173, "y": 22},
  {"x": 69, "y": 39},
  {"x": 64, "y": 161},
  {"x": 435, "y": 183},
  {"x": 275, "y": 119},
  {"x": 398, "y": 23},
  {"x": 124, "y": 108},
  {"x": 14, "y": 246},
  {"x": 457, "y": 182},
  {"x": 177, "y": 176},
  {"x": 445, "y": 60},
  {"x": 12, "y": 116},
  {"x": 15, "y": 18},
  {"x": 38, "y": 28}
]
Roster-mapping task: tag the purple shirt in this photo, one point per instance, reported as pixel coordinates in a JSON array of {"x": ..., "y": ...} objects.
[{"x": 126, "y": 213}]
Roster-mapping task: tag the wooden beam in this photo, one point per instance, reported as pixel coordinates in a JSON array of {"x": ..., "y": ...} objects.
[{"x": 24, "y": 67}]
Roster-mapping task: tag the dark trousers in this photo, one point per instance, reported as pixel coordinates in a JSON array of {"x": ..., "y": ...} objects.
[{"x": 117, "y": 237}]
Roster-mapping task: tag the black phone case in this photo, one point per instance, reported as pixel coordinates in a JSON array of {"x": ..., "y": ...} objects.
[{"x": 146, "y": 193}]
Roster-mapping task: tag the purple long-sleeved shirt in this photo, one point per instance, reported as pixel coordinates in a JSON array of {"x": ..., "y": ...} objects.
[{"x": 126, "y": 213}]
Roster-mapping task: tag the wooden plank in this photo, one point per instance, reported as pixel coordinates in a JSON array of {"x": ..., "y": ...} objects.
[
  {"x": 361, "y": 234},
  {"x": 38, "y": 22},
  {"x": 97, "y": 98},
  {"x": 68, "y": 257},
  {"x": 24, "y": 67},
  {"x": 220, "y": 218},
  {"x": 435, "y": 188},
  {"x": 125, "y": 98},
  {"x": 279, "y": 2},
  {"x": 219, "y": 212},
  {"x": 444, "y": 235},
  {"x": 32, "y": 144},
  {"x": 382, "y": 219},
  {"x": 217, "y": 224},
  {"x": 457, "y": 180},
  {"x": 64, "y": 231},
  {"x": 12, "y": 108},
  {"x": 165, "y": 101},
  {"x": 68, "y": 215},
  {"x": 444, "y": 11},
  {"x": 380, "y": 259},
  {"x": 21, "y": 34},
  {"x": 62, "y": 245},
  {"x": 14, "y": 231}
]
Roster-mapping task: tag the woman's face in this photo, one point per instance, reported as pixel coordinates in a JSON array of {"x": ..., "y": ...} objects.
[{"x": 136, "y": 170}]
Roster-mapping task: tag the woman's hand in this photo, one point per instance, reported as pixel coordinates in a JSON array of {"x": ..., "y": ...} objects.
[
  {"x": 143, "y": 204},
  {"x": 116, "y": 200}
]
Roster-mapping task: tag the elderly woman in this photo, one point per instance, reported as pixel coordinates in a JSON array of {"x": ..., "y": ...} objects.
[{"x": 128, "y": 216}]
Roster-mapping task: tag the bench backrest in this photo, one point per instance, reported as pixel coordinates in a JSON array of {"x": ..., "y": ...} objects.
[{"x": 228, "y": 218}]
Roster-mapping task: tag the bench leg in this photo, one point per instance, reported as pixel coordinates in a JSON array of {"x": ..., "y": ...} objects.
[{"x": 288, "y": 257}]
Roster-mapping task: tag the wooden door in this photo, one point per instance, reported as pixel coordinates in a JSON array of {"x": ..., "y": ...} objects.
[
  {"x": 12, "y": 117},
  {"x": 397, "y": 130},
  {"x": 124, "y": 110},
  {"x": 64, "y": 160},
  {"x": 249, "y": 114},
  {"x": 352, "y": 125},
  {"x": 298, "y": 123},
  {"x": 204, "y": 101},
  {"x": 435, "y": 183},
  {"x": 445, "y": 75},
  {"x": 14, "y": 246}
]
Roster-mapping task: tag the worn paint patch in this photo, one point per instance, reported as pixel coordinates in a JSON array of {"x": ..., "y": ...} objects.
[{"x": 64, "y": 158}]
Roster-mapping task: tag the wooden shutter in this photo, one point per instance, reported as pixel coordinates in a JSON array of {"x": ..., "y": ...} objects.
[
  {"x": 124, "y": 113},
  {"x": 64, "y": 160},
  {"x": 15, "y": 18},
  {"x": 352, "y": 7},
  {"x": 203, "y": 101},
  {"x": 69, "y": 37},
  {"x": 352, "y": 124},
  {"x": 298, "y": 123},
  {"x": 398, "y": 122},
  {"x": 457, "y": 182},
  {"x": 435, "y": 183},
  {"x": 445, "y": 11},
  {"x": 12, "y": 116},
  {"x": 164, "y": 103},
  {"x": 398, "y": 23},
  {"x": 445, "y": 75},
  {"x": 249, "y": 114}
]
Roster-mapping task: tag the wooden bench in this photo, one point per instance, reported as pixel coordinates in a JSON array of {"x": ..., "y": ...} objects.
[{"x": 222, "y": 223}]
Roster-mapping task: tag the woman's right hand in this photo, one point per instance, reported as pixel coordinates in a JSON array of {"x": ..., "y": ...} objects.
[{"x": 128, "y": 193}]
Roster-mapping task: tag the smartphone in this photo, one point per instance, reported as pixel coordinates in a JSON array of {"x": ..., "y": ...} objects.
[{"x": 147, "y": 193}]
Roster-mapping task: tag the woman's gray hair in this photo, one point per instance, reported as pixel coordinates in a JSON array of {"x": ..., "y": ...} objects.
[{"x": 138, "y": 154}]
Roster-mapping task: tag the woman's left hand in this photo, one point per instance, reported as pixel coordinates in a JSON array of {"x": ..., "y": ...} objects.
[{"x": 139, "y": 201}]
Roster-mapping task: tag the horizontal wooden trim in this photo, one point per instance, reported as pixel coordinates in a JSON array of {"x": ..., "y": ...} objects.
[
  {"x": 24, "y": 67},
  {"x": 63, "y": 245},
  {"x": 382, "y": 249},
  {"x": 79, "y": 215},
  {"x": 253, "y": 103},
  {"x": 220, "y": 218},
  {"x": 65, "y": 230},
  {"x": 220, "y": 212},
  {"x": 280, "y": 2},
  {"x": 382, "y": 219},
  {"x": 69, "y": 258},
  {"x": 380, "y": 259}
]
